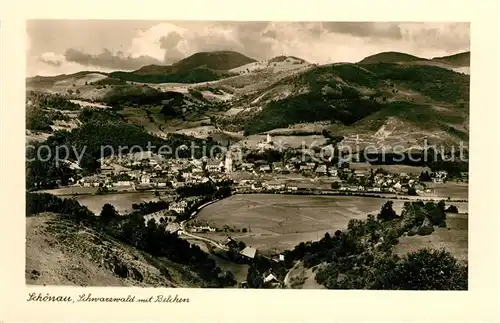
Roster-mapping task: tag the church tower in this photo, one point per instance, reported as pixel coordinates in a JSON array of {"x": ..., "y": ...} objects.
[{"x": 228, "y": 165}]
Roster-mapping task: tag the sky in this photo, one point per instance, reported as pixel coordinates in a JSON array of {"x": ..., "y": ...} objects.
[{"x": 67, "y": 46}]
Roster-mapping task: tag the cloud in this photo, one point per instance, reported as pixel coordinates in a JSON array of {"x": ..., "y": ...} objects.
[
  {"x": 449, "y": 37},
  {"x": 169, "y": 44},
  {"x": 317, "y": 42},
  {"x": 365, "y": 29},
  {"x": 52, "y": 59},
  {"x": 107, "y": 59}
]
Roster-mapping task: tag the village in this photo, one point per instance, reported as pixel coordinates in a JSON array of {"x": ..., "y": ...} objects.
[{"x": 149, "y": 171}]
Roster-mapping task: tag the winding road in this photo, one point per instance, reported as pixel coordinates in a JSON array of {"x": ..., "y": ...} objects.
[{"x": 184, "y": 232}]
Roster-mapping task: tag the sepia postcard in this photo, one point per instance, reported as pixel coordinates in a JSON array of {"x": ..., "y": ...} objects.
[{"x": 175, "y": 162}]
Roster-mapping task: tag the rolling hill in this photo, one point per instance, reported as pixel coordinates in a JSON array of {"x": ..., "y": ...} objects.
[
  {"x": 390, "y": 57},
  {"x": 199, "y": 67},
  {"x": 459, "y": 60},
  {"x": 241, "y": 95},
  {"x": 218, "y": 61},
  {"x": 428, "y": 101}
]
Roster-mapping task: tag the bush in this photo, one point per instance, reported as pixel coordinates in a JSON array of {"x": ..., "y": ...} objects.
[
  {"x": 412, "y": 191},
  {"x": 387, "y": 213},
  {"x": 425, "y": 230},
  {"x": 429, "y": 269},
  {"x": 108, "y": 213}
]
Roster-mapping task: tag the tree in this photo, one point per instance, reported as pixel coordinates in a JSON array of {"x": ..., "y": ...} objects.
[
  {"x": 108, "y": 212},
  {"x": 425, "y": 177},
  {"x": 387, "y": 213},
  {"x": 412, "y": 191},
  {"x": 254, "y": 278},
  {"x": 429, "y": 269},
  {"x": 335, "y": 185}
]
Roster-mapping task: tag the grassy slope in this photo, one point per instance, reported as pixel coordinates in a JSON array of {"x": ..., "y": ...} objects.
[
  {"x": 61, "y": 252},
  {"x": 199, "y": 67},
  {"x": 460, "y": 59},
  {"x": 350, "y": 93},
  {"x": 453, "y": 238}
]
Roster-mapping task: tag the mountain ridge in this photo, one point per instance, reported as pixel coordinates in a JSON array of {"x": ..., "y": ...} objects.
[{"x": 285, "y": 91}]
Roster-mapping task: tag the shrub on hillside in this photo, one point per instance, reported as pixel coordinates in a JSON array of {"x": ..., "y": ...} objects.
[
  {"x": 429, "y": 269},
  {"x": 425, "y": 230},
  {"x": 387, "y": 213}
]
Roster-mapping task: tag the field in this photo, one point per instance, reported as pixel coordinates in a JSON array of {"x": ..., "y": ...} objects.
[
  {"x": 454, "y": 238},
  {"x": 70, "y": 190},
  {"x": 285, "y": 141},
  {"x": 280, "y": 222},
  {"x": 451, "y": 189},
  {"x": 122, "y": 202},
  {"x": 390, "y": 168}
]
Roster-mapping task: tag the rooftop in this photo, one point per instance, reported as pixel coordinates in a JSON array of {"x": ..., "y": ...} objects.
[{"x": 249, "y": 252}]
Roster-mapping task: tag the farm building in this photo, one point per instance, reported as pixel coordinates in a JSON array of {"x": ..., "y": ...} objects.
[
  {"x": 321, "y": 169},
  {"x": 274, "y": 185},
  {"x": 248, "y": 252}
]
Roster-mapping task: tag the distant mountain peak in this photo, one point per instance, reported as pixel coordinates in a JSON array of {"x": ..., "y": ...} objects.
[
  {"x": 390, "y": 57},
  {"x": 459, "y": 59},
  {"x": 216, "y": 60}
]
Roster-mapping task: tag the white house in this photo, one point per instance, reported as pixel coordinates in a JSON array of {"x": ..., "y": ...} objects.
[
  {"x": 248, "y": 252},
  {"x": 145, "y": 179},
  {"x": 228, "y": 163},
  {"x": 321, "y": 169},
  {"x": 274, "y": 185},
  {"x": 333, "y": 171},
  {"x": 265, "y": 168},
  {"x": 160, "y": 182},
  {"x": 179, "y": 207},
  {"x": 213, "y": 166},
  {"x": 270, "y": 278},
  {"x": 256, "y": 186},
  {"x": 123, "y": 183},
  {"x": 205, "y": 228},
  {"x": 247, "y": 166}
]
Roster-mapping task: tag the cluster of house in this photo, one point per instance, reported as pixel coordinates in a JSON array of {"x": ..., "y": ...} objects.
[
  {"x": 152, "y": 171},
  {"x": 202, "y": 228},
  {"x": 166, "y": 219},
  {"x": 293, "y": 165},
  {"x": 247, "y": 252},
  {"x": 440, "y": 176},
  {"x": 353, "y": 181}
]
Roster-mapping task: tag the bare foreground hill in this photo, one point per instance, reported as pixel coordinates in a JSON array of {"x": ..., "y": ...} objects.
[{"x": 59, "y": 251}]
